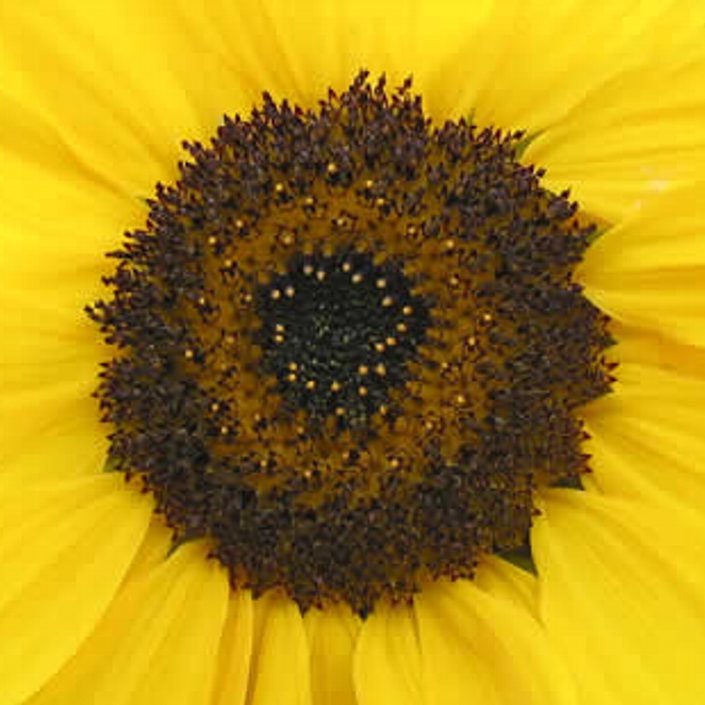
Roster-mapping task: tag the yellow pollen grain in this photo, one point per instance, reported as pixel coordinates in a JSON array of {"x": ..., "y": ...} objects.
[
  {"x": 215, "y": 407},
  {"x": 290, "y": 291},
  {"x": 292, "y": 377},
  {"x": 402, "y": 327},
  {"x": 380, "y": 347},
  {"x": 311, "y": 384},
  {"x": 308, "y": 270},
  {"x": 363, "y": 369},
  {"x": 407, "y": 310},
  {"x": 224, "y": 430},
  {"x": 356, "y": 278},
  {"x": 201, "y": 300},
  {"x": 346, "y": 267},
  {"x": 381, "y": 370},
  {"x": 369, "y": 183},
  {"x": 275, "y": 294},
  {"x": 279, "y": 338},
  {"x": 383, "y": 409},
  {"x": 381, "y": 283},
  {"x": 212, "y": 240},
  {"x": 309, "y": 200},
  {"x": 362, "y": 391},
  {"x": 320, "y": 275},
  {"x": 391, "y": 341},
  {"x": 340, "y": 411},
  {"x": 335, "y": 387},
  {"x": 239, "y": 224},
  {"x": 486, "y": 317},
  {"x": 279, "y": 327},
  {"x": 332, "y": 168},
  {"x": 188, "y": 354},
  {"x": 387, "y": 301},
  {"x": 228, "y": 263},
  {"x": 293, "y": 366},
  {"x": 279, "y": 187},
  {"x": 380, "y": 201},
  {"x": 449, "y": 244},
  {"x": 460, "y": 399},
  {"x": 287, "y": 238}
]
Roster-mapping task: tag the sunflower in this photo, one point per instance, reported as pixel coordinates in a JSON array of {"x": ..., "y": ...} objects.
[{"x": 390, "y": 390}]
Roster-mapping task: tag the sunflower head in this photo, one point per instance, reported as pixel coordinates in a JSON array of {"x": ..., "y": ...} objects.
[{"x": 349, "y": 346}]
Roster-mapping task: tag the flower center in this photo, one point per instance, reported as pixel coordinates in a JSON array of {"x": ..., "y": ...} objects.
[
  {"x": 349, "y": 347},
  {"x": 337, "y": 333}
]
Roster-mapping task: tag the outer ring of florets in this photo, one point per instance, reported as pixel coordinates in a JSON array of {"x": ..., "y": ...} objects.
[{"x": 504, "y": 351}]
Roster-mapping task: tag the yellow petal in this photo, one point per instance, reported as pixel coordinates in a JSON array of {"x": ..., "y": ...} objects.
[
  {"x": 235, "y": 651},
  {"x": 388, "y": 660},
  {"x": 100, "y": 113},
  {"x": 651, "y": 348},
  {"x": 648, "y": 438},
  {"x": 505, "y": 581},
  {"x": 640, "y": 133},
  {"x": 64, "y": 549},
  {"x": 649, "y": 271},
  {"x": 316, "y": 45},
  {"x": 534, "y": 60},
  {"x": 157, "y": 643},
  {"x": 279, "y": 672},
  {"x": 67, "y": 448},
  {"x": 332, "y": 635},
  {"x": 482, "y": 647},
  {"x": 621, "y": 591},
  {"x": 28, "y": 417},
  {"x": 56, "y": 234},
  {"x": 154, "y": 549}
]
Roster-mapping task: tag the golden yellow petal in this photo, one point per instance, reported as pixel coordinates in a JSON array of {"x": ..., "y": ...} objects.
[
  {"x": 300, "y": 50},
  {"x": 123, "y": 127},
  {"x": 649, "y": 347},
  {"x": 64, "y": 549},
  {"x": 478, "y": 646},
  {"x": 154, "y": 549},
  {"x": 621, "y": 593},
  {"x": 640, "y": 133},
  {"x": 157, "y": 643},
  {"x": 56, "y": 224},
  {"x": 54, "y": 234},
  {"x": 30, "y": 416},
  {"x": 535, "y": 60},
  {"x": 648, "y": 438},
  {"x": 279, "y": 671},
  {"x": 505, "y": 581},
  {"x": 649, "y": 271},
  {"x": 235, "y": 651},
  {"x": 332, "y": 635},
  {"x": 51, "y": 449},
  {"x": 388, "y": 661}
]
